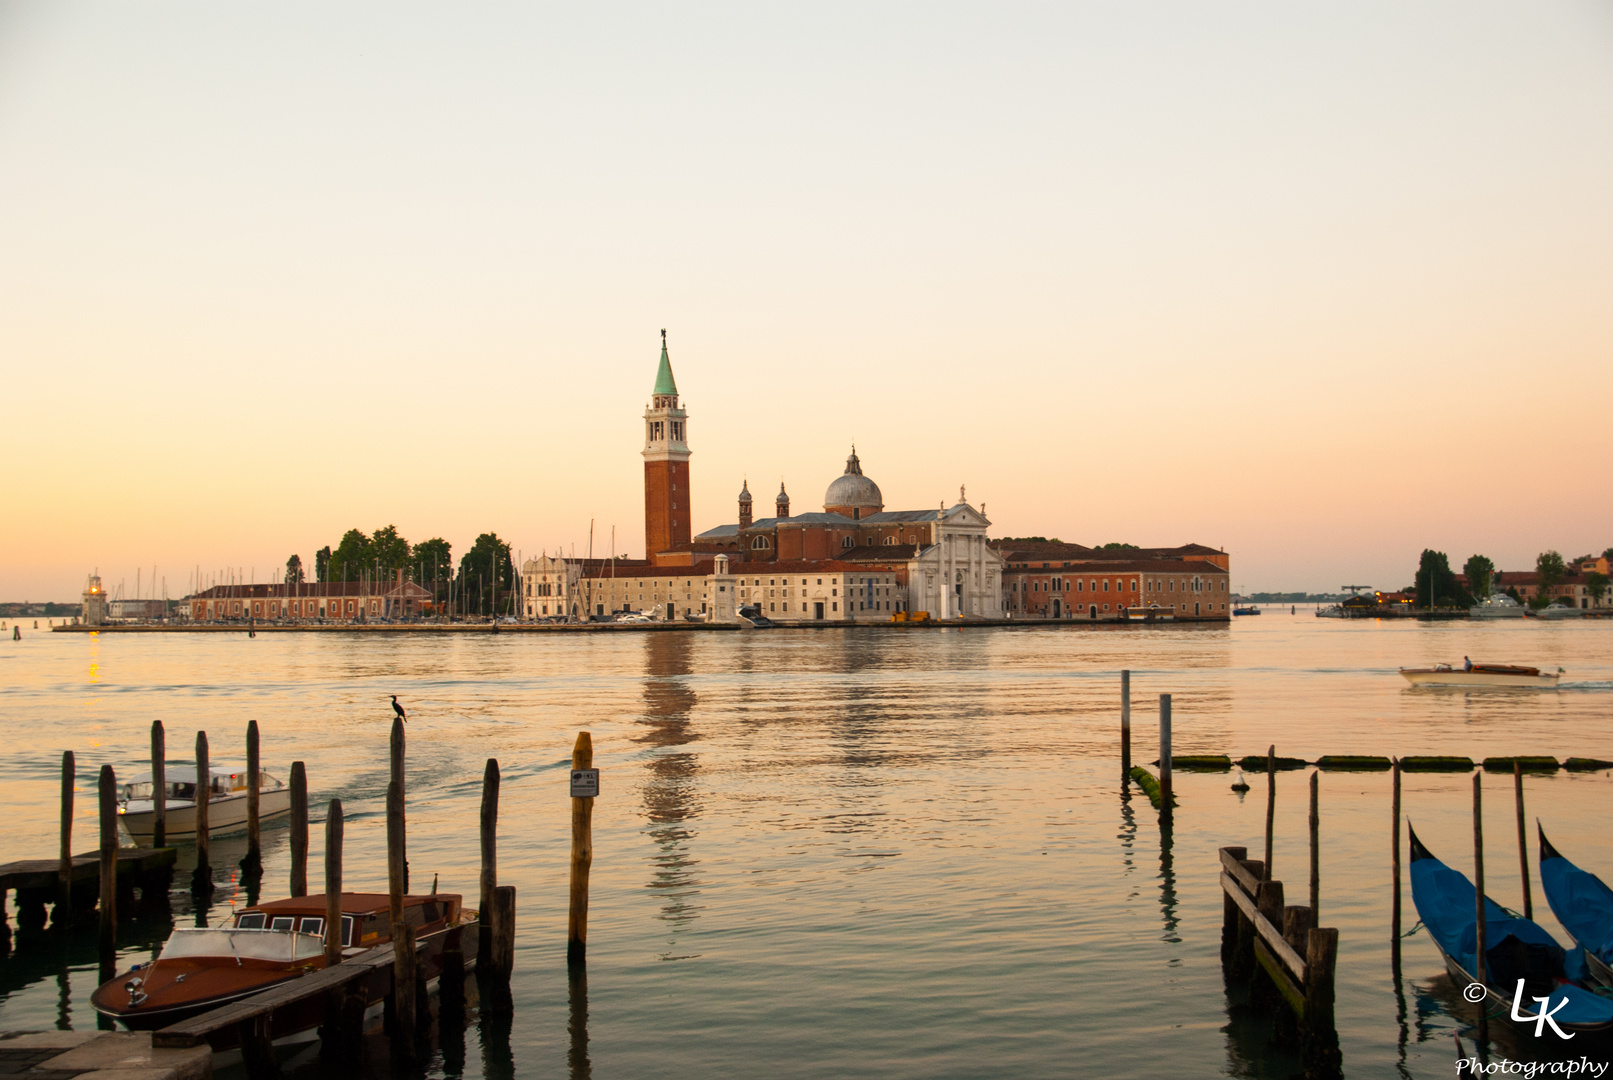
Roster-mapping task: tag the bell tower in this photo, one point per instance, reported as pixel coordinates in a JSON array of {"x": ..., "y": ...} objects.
[{"x": 666, "y": 464}]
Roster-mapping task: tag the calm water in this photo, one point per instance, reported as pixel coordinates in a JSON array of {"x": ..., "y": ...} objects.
[{"x": 852, "y": 853}]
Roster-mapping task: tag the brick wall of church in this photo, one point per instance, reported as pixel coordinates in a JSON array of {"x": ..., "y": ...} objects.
[{"x": 666, "y": 505}]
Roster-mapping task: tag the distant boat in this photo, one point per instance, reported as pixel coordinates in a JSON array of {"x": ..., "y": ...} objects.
[
  {"x": 1515, "y": 949},
  {"x": 1335, "y": 611},
  {"x": 1481, "y": 675},
  {"x": 1555, "y": 612},
  {"x": 1497, "y": 606},
  {"x": 226, "y": 801},
  {"x": 1151, "y": 613},
  {"x": 1246, "y": 610},
  {"x": 1583, "y": 903}
]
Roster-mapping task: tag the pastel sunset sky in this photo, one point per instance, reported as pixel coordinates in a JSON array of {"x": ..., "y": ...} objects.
[{"x": 1323, "y": 284}]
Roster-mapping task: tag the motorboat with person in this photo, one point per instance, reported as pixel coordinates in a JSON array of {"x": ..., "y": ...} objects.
[
  {"x": 1472, "y": 674},
  {"x": 226, "y": 800},
  {"x": 1526, "y": 973},
  {"x": 1583, "y": 903},
  {"x": 202, "y": 968}
]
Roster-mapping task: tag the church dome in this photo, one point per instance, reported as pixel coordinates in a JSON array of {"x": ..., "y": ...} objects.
[{"x": 853, "y": 492}]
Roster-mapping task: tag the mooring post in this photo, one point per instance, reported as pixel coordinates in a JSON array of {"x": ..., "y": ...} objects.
[
  {"x": 109, "y": 868},
  {"x": 299, "y": 829},
  {"x": 1523, "y": 843},
  {"x": 333, "y": 883},
  {"x": 1125, "y": 725},
  {"x": 1478, "y": 899},
  {"x": 503, "y": 957},
  {"x": 1394, "y": 865},
  {"x": 397, "y": 778},
  {"x": 1316, "y": 863},
  {"x": 1165, "y": 757},
  {"x": 484, "y": 930},
  {"x": 1271, "y": 803},
  {"x": 1230, "y": 911},
  {"x": 62, "y": 916},
  {"x": 1319, "y": 1048},
  {"x": 582, "y": 854},
  {"x": 159, "y": 785},
  {"x": 403, "y": 954},
  {"x": 201, "y": 882},
  {"x": 252, "y": 863}
]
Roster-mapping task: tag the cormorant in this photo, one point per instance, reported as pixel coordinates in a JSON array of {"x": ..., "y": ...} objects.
[{"x": 399, "y": 709}]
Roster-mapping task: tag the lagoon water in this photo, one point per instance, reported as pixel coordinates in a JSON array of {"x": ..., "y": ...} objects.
[{"x": 851, "y": 852}]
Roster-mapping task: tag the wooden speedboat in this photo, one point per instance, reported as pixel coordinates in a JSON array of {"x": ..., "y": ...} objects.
[
  {"x": 1583, "y": 903},
  {"x": 203, "y": 968},
  {"x": 226, "y": 801},
  {"x": 1481, "y": 675},
  {"x": 1516, "y": 950}
]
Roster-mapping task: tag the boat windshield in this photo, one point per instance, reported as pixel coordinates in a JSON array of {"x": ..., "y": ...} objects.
[{"x": 282, "y": 946}]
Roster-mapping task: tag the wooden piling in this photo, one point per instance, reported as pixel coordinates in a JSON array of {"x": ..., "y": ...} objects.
[
  {"x": 1316, "y": 864},
  {"x": 582, "y": 856},
  {"x": 1125, "y": 725},
  {"x": 1523, "y": 842},
  {"x": 1478, "y": 898},
  {"x": 1394, "y": 864},
  {"x": 159, "y": 785},
  {"x": 397, "y": 778},
  {"x": 1165, "y": 801},
  {"x": 109, "y": 865},
  {"x": 333, "y": 883},
  {"x": 1319, "y": 1045},
  {"x": 252, "y": 863},
  {"x": 489, "y": 880},
  {"x": 502, "y": 957},
  {"x": 404, "y": 960},
  {"x": 1230, "y": 912},
  {"x": 201, "y": 883},
  {"x": 1271, "y": 803},
  {"x": 299, "y": 829},
  {"x": 62, "y": 916}
]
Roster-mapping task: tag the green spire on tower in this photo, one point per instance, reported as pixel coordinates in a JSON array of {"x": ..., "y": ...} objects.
[{"x": 664, "y": 383}]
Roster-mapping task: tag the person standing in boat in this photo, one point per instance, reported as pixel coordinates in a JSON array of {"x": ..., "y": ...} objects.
[{"x": 1467, "y": 665}]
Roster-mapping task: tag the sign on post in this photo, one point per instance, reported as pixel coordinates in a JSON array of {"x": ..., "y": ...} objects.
[{"x": 584, "y": 783}]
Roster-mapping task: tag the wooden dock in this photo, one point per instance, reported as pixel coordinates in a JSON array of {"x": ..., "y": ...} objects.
[{"x": 35, "y": 880}]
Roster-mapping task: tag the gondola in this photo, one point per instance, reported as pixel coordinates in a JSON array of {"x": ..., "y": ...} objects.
[
  {"x": 1515, "y": 949},
  {"x": 1583, "y": 903}
]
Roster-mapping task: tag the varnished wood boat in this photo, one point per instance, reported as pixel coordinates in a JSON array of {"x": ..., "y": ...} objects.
[
  {"x": 1482, "y": 675},
  {"x": 203, "y": 968}
]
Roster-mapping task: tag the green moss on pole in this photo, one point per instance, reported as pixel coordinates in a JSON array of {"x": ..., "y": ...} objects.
[
  {"x": 1436, "y": 764},
  {"x": 1528, "y": 764},
  {"x": 1150, "y": 786},
  {"x": 1354, "y": 763}
]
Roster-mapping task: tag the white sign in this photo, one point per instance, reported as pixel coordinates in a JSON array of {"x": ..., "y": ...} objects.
[{"x": 584, "y": 783}]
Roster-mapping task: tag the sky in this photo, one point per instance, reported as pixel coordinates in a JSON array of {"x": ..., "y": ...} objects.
[{"x": 1323, "y": 284}]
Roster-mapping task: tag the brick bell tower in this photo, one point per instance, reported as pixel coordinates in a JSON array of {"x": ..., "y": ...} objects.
[{"x": 666, "y": 464}]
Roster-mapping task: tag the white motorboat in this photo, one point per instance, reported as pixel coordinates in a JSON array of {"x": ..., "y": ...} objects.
[
  {"x": 226, "y": 801},
  {"x": 1557, "y": 611},
  {"x": 1497, "y": 606},
  {"x": 1481, "y": 675}
]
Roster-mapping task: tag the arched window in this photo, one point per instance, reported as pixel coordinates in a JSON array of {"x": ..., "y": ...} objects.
[
  {"x": 890, "y": 540},
  {"x": 846, "y": 542},
  {"x": 759, "y": 543}
]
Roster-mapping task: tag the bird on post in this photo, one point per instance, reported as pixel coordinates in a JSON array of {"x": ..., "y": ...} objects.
[{"x": 399, "y": 709}]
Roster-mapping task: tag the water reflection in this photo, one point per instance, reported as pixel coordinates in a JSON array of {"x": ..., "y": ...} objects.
[
  {"x": 670, "y": 793},
  {"x": 1167, "y": 888},
  {"x": 577, "y": 1063}
]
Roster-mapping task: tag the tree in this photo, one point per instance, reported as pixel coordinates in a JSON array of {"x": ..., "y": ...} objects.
[
  {"x": 1595, "y": 586},
  {"x": 389, "y": 552},
  {"x": 351, "y": 557},
  {"x": 1608, "y": 554},
  {"x": 1119, "y": 547},
  {"x": 485, "y": 566},
  {"x": 1436, "y": 584},
  {"x": 294, "y": 570},
  {"x": 322, "y": 563},
  {"x": 434, "y": 563},
  {"x": 1549, "y": 572},
  {"x": 1479, "y": 571}
]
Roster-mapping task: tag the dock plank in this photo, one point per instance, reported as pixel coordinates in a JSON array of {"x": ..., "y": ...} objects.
[
  {"x": 194, "y": 1032},
  {"x": 41, "y": 873},
  {"x": 1273, "y": 937}
]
